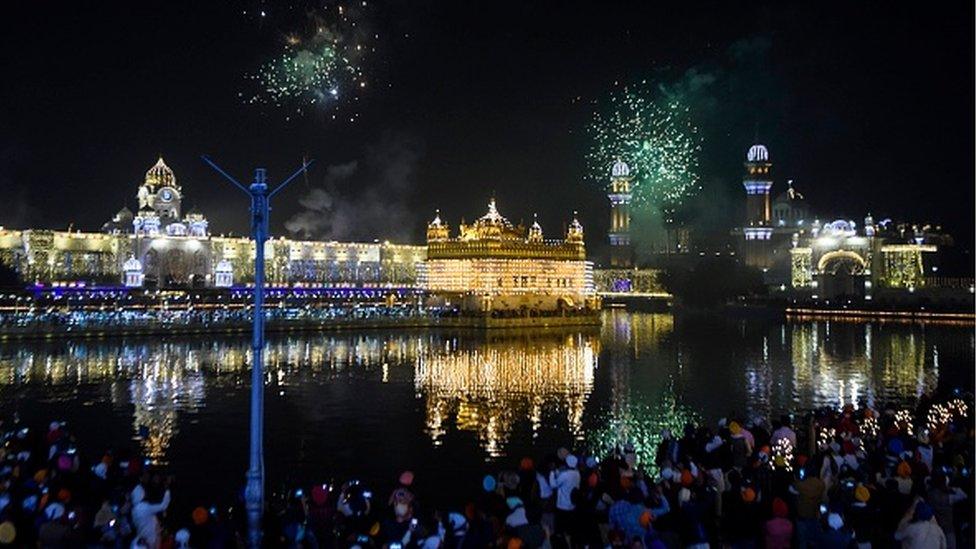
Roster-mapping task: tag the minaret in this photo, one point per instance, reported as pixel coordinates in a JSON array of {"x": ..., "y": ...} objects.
[
  {"x": 621, "y": 252},
  {"x": 757, "y": 182}
]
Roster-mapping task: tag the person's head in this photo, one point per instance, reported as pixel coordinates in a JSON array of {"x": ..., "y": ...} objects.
[
  {"x": 834, "y": 521},
  {"x": 862, "y": 494},
  {"x": 923, "y": 512},
  {"x": 780, "y": 509}
]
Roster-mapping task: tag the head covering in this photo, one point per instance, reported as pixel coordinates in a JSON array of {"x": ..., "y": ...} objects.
[
  {"x": 684, "y": 496},
  {"x": 735, "y": 428},
  {"x": 835, "y": 521},
  {"x": 458, "y": 523},
  {"x": 514, "y": 502},
  {"x": 138, "y": 494},
  {"x": 320, "y": 494},
  {"x": 526, "y": 464},
  {"x": 182, "y": 537},
  {"x": 923, "y": 512},
  {"x": 100, "y": 470},
  {"x": 514, "y": 543},
  {"x": 780, "y": 509},
  {"x": 54, "y": 511},
  {"x": 667, "y": 473},
  {"x": 7, "y": 532},
  {"x": 406, "y": 478},
  {"x": 861, "y": 493},
  {"x": 748, "y": 495},
  {"x": 645, "y": 519},
  {"x": 561, "y": 453},
  {"x": 489, "y": 483},
  {"x": 895, "y": 446},
  {"x": 904, "y": 469},
  {"x": 686, "y": 478},
  {"x": 64, "y": 495},
  {"x": 65, "y": 462},
  {"x": 571, "y": 461},
  {"x": 200, "y": 516},
  {"x": 591, "y": 462}
]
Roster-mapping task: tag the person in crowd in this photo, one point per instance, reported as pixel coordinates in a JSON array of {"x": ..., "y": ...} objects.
[{"x": 870, "y": 479}]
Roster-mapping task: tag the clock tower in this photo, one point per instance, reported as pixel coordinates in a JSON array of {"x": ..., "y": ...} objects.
[{"x": 160, "y": 193}]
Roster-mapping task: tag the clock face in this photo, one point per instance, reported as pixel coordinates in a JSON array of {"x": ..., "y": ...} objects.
[{"x": 166, "y": 195}]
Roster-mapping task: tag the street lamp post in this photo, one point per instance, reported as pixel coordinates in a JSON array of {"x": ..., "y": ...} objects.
[{"x": 260, "y": 209}]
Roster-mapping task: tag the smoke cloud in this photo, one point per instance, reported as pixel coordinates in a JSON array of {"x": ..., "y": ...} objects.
[{"x": 364, "y": 200}]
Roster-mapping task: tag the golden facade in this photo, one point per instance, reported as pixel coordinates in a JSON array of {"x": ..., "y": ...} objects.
[{"x": 507, "y": 266}]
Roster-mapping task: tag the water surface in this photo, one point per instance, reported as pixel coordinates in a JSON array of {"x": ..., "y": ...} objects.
[{"x": 372, "y": 403}]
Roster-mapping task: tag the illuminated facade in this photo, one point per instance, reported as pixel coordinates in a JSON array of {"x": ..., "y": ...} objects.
[
  {"x": 495, "y": 265},
  {"x": 833, "y": 259},
  {"x": 178, "y": 251},
  {"x": 621, "y": 249}
]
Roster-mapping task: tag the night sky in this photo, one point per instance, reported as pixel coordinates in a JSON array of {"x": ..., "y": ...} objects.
[{"x": 866, "y": 106}]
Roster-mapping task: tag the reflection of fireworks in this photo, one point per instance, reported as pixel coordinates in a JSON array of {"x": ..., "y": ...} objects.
[
  {"x": 655, "y": 137},
  {"x": 317, "y": 67}
]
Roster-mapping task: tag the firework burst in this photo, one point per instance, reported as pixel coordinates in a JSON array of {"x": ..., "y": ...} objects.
[
  {"x": 320, "y": 66},
  {"x": 655, "y": 136}
]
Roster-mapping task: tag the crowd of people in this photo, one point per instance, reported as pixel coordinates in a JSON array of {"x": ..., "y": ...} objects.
[{"x": 834, "y": 478}]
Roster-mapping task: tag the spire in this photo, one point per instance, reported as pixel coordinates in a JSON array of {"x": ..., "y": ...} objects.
[{"x": 535, "y": 231}]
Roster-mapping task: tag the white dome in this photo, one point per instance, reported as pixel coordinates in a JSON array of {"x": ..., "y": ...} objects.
[
  {"x": 757, "y": 153},
  {"x": 132, "y": 265},
  {"x": 620, "y": 169}
]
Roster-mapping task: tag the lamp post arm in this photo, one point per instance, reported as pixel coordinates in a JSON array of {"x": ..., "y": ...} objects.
[
  {"x": 301, "y": 170},
  {"x": 225, "y": 174}
]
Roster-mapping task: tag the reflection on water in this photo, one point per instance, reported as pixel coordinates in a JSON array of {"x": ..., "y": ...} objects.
[
  {"x": 639, "y": 374},
  {"x": 489, "y": 386}
]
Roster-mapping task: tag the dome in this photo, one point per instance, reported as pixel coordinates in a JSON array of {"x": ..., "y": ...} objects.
[
  {"x": 757, "y": 153},
  {"x": 160, "y": 175},
  {"x": 132, "y": 265},
  {"x": 839, "y": 228},
  {"x": 436, "y": 222},
  {"x": 493, "y": 217},
  {"x": 535, "y": 231},
  {"x": 620, "y": 169}
]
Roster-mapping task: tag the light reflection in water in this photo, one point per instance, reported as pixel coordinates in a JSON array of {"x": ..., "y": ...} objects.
[
  {"x": 489, "y": 387},
  {"x": 638, "y": 374}
]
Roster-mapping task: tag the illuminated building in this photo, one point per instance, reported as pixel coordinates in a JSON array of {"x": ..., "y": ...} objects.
[
  {"x": 825, "y": 260},
  {"x": 159, "y": 247},
  {"x": 495, "y": 265},
  {"x": 621, "y": 250},
  {"x": 621, "y": 277}
]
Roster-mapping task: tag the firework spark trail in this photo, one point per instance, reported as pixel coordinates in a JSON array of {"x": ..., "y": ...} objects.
[
  {"x": 655, "y": 136},
  {"x": 322, "y": 66}
]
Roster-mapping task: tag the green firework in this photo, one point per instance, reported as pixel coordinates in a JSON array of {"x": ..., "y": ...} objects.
[{"x": 655, "y": 136}]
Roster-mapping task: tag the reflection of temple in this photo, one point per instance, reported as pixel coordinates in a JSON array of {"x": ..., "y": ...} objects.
[
  {"x": 490, "y": 387},
  {"x": 173, "y": 249},
  {"x": 862, "y": 371}
]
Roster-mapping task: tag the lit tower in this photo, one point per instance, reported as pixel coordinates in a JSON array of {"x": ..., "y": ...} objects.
[
  {"x": 621, "y": 252},
  {"x": 757, "y": 182}
]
